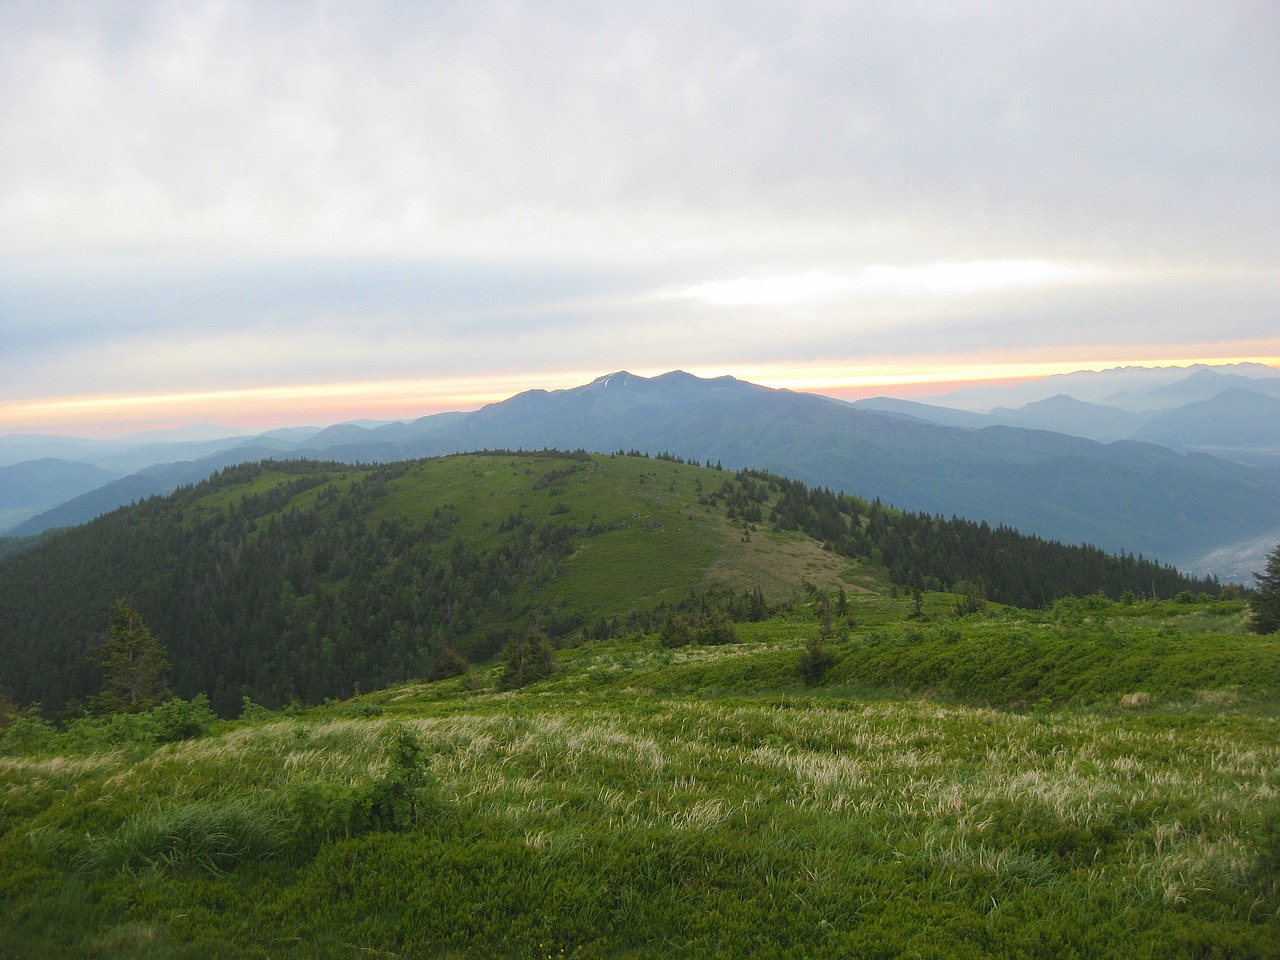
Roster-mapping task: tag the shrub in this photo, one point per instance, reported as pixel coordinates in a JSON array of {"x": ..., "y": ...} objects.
[
  {"x": 447, "y": 663},
  {"x": 400, "y": 798},
  {"x": 675, "y": 631},
  {"x": 815, "y": 661},
  {"x": 179, "y": 719},
  {"x": 26, "y": 735},
  {"x": 716, "y": 629},
  {"x": 527, "y": 659}
]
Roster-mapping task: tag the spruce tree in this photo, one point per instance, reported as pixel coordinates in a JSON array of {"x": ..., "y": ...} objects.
[
  {"x": 1264, "y": 606},
  {"x": 134, "y": 664},
  {"x": 527, "y": 659}
]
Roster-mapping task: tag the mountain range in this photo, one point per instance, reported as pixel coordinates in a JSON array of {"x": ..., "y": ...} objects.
[
  {"x": 1231, "y": 411},
  {"x": 1125, "y": 465}
]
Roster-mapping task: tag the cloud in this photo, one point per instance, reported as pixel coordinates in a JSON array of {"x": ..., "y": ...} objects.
[
  {"x": 917, "y": 281},
  {"x": 462, "y": 128},
  {"x": 388, "y": 189}
]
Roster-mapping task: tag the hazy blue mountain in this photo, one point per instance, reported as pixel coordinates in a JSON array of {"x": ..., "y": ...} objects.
[
  {"x": 1132, "y": 496},
  {"x": 1205, "y": 384},
  {"x": 290, "y": 435},
  {"x": 1125, "y": 495},
  {"x": 22, "y": 447},
  {"x": 1079, "y": 418},
  {"x": 1236, "y": 424},
  {"x": 1129, "y": 388},
  {"x": 155, "y": 480},
  {"x": 31, "y": 486},
  {"x": 928, "y": 412},
  {"x": 95, "y": 503}
]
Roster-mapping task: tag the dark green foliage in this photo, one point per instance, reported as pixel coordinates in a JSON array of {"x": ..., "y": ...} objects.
[
  {"x": 27, "y": 735},
  {"x": 278, "y": 581},
  {"x": 1016, "y": 569},
  {"x": 715, "y": 628},
  {"x": 8, "y": 712},
  {"x": 134, "y": 664},
  {"x": 179, "y": 719},
  {"x": 973, "y": 597},
  {"x": 447, "y": 663},
  {"x": 403, "y": 796},
  {"x": 815, "y": 661},
  {"x": 209, "y": 838},
  {"x": 675, "y": 631},
  {"x": 527, "y": 659},
  {"x": 293, "y": 582},
  {"x": 12, "y": 546},
  {"x": 173, "y": 720},
  {"x": 1264, "y": 605},
  {"x": 709, "y": 626}
]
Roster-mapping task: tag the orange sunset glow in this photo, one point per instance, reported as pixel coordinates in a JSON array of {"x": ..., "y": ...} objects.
[{"x": 264, "y": 408}]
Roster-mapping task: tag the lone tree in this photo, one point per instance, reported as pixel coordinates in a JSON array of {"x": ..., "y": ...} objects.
[
  {"x": 134, "y": 664},
  {"x": 1264, "y": 606},
  {"x": 528, "y": 659}
]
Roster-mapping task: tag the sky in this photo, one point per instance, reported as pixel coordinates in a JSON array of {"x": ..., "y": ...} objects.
[{"x": 265, "y": 213}]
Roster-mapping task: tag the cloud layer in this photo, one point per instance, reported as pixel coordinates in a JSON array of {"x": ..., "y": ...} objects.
[{"x": 248, "y": 193}]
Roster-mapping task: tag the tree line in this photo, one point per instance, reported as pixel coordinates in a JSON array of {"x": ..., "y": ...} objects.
[{"x": 283, "y": 582}]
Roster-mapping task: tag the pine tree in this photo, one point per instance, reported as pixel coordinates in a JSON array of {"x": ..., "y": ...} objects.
[
  {"x": 1264, "y": 606},
  {"x": 527, "y": 659},
  {"x": 134, "y": 664}
]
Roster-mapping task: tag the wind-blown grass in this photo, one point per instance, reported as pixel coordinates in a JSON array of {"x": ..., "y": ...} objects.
[
  {"x": 210, "y": 838},
  {"x": 582, "y": 817}
]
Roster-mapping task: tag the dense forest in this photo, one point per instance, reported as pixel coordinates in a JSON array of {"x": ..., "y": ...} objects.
[
  {"x": 301, "y": 581},
  {"x": 932, "y": 553}
]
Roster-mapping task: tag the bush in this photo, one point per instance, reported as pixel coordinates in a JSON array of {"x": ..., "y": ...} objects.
[
  {"x": 179, "y": 719},
  {"x": 447, "y": 663},
  {"x": 716, "y": 629},
  {"x": 28, "y": 734},
  {"x": 815, "y": 661},
  {"x": 675, "y": 632},
  {"x": 528, "y": 659},
  {"x": 402, "y": 797}
]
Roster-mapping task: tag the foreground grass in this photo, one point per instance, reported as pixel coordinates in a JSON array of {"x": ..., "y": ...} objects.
[{"x": 672, "y": 803}]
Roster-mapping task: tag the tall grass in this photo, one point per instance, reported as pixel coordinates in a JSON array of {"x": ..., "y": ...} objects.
[
  {"x": 738, "y": 815},
  {"x": 209, "y": 838}
]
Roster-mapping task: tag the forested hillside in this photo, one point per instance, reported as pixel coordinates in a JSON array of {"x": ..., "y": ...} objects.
[{"x": 301, "y": 581}]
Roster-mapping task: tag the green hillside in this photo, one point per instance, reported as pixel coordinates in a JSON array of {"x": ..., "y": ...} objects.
[
  {"x": 1096, "y": 779},
  {"x": 293, "y": 582},
  {"x": 300, "y": 581}
]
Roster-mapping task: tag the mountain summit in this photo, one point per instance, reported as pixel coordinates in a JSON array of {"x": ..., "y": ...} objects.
[{"x": 1130, "y": 496}]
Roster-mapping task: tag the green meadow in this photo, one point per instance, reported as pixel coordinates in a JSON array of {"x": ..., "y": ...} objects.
[{"x": 1096, "y": 779}]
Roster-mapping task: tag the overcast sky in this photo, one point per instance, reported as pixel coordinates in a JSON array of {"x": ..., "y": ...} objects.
[{"x": 309, "y": 211}]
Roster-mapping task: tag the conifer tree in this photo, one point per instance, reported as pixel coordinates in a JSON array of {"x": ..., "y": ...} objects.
[
  {"x": 134, "y": 664},
  {"x": 527, "y": 659},
  {"x": 1264, "y": 606}
]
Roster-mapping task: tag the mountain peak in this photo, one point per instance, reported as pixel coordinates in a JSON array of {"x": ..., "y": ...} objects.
[{"x": 621, "y": 378}]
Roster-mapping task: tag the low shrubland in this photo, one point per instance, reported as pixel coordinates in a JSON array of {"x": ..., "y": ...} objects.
[{"x": 1096, "y": 779}]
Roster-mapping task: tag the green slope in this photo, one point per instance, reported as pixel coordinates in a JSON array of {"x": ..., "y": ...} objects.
[
  {"x": 299, "y": 581},
  {"x": 305, "y": 581},
  {"x": 650, "y": 802}
]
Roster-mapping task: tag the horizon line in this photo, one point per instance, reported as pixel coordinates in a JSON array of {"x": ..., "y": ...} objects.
[{"x": 264, "y": 408}]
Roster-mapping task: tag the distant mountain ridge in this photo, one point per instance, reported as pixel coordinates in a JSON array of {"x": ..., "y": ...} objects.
[
  {"x": 1193, "y": 409},
  {"x": 1127, "y": 495}
]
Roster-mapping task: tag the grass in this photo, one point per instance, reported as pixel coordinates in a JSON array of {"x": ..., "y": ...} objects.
[{"x": 647, "y": 802}]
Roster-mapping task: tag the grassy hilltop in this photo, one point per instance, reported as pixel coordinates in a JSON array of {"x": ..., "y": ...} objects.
[
  {"x": 301, "y": 581},
  {"x": 765, "y": 733}
]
